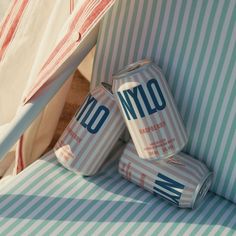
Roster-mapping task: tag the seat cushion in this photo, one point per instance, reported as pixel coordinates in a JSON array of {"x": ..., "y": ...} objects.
[
  {"x": 194, "y": 44},
  {"x": 47, "y": 199}
]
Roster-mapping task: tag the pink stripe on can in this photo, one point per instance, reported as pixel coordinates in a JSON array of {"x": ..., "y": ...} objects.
[
  {"x": 149, "y": 111},
  {"x": 91, "y": 134},
  {"x": 175, "y": 180}
]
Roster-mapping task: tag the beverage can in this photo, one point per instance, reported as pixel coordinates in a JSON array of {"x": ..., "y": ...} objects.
[
  {"x": 181, "y": 179},
  {"x": 149, "y": 110},
  {"x": 92, "y": 133}
]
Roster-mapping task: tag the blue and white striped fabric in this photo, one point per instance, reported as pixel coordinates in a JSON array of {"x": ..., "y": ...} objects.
[
  {"x": 194, "y": 44},
  {"x": 47, "y": 199}
]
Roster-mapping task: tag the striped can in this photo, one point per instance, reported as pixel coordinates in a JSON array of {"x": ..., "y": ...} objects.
[
  {"x": 180, "y": 179},
  {"x": 149, "y": 111},
  {"x": 92, "y": 133}
]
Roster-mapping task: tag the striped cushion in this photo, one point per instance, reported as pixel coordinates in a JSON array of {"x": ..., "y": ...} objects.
[
  {"x": 194, "y": 43},
  {"x": 46, "y": 199}
]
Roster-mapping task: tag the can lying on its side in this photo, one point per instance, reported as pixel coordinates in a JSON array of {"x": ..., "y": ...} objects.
[
  {"x": 181, "y": 179},
  {"x": 91, "y": 134},
  {"x": 149, "y": 111}
]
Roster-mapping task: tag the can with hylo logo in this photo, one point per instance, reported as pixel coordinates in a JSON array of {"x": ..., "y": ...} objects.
[
  {"x": 181, "y": 179},
  {"x": 92, "y": 133},
  {"x": 149, "y": 110}
]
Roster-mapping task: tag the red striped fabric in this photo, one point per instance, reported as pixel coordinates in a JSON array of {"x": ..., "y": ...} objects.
[
  {"x": 13, "y": 28},
  {"x": 7, "y": 33},
  {"x": 72, "y": 5},
  {"x": 7, "y": 19},
  {"x": 88, "y": 14},
  {"x": 85, "y": 18}
]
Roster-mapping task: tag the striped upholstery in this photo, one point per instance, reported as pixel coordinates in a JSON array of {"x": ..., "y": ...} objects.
[
  {"x": 46, "y": 199},
  {"x": 194, "y": 43}
]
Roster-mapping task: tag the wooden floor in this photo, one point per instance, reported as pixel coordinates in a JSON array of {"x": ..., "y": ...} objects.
[{"x": 78, "y": 91}]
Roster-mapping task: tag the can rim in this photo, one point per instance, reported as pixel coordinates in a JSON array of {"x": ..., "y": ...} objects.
[
  {"x": 206, "y": 182},
  {"x": 108, "y": 88},
  {"x": 131, "y": 68}
]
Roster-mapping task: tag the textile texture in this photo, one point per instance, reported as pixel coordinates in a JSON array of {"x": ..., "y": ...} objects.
[
  {"x": 46, "y": 199},
  {"x": 194, "y": 44}
]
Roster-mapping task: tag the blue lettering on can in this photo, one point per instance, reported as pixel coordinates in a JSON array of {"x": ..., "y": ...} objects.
[
  {"x": 105, "y": 113},
  {"x": 134, "y": 96},
  {"x": 93, "y": 125},
  {"x": 148, "y": 106},
  {"x": 91, "y": 101},
  {"x": 127, "y": 106},
  {"x": 173, "y": 187},
  {"x": 151, "y": 85}
]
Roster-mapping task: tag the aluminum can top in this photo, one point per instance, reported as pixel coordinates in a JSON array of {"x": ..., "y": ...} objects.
[{"x": 132, "y": 69}]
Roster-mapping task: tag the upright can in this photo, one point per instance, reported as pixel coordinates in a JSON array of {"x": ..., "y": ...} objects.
[
  {"x": 92, "y": 133},
  {"x": 149, "y": 111},
  {"x": 181, "y": 179}
]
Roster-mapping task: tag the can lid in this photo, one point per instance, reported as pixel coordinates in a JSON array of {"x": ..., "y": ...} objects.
[
  {"x": 108, "y": 87},
  {"x": 131, "y": 68},
  {"x": 202, "y": 190}
]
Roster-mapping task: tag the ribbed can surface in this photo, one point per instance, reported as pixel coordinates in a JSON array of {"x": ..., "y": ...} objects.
[
  {"x": 181, "y": 179},
  {"x": 91, "y": 134},
  {"x": 149, "y": 111}
]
